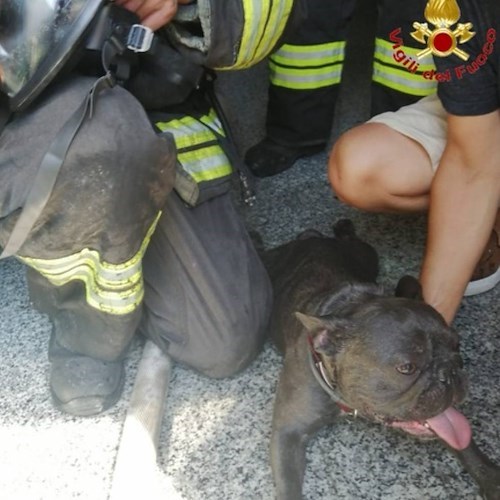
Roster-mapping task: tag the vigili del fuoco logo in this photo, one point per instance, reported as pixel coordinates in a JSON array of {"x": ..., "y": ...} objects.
[
  {"x": 442, "y": 34},
  {"x": 442, "y": 41}
]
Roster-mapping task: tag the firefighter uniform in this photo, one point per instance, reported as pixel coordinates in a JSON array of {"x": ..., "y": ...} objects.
[
  {"x": 306, "y": 70},
  {"x": 85, "y": 247}
]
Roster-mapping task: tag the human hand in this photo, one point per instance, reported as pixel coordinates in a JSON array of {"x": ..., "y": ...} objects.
[{"x": 153, "y": 13}]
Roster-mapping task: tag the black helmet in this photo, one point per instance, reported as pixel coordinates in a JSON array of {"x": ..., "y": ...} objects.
[{"x": 37, "y": 37}]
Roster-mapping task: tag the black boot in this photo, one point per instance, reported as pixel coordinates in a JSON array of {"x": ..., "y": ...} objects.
[
  {"x": 268, "y": 158},
  {"x": 84, "y": 386},
  {"x": 86, "y": 348}
]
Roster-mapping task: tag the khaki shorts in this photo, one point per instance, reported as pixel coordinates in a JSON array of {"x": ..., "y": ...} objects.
[{"x": 424, "y": 122}]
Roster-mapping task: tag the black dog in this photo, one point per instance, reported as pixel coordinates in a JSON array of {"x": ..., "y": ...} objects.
[{"x": 351, "y": 349}]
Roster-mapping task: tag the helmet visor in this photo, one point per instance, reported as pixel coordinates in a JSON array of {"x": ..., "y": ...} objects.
[{"x": 36, "y": 36}]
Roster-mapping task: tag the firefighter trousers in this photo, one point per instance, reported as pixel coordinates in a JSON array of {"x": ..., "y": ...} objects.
[{"x": 85, "y": 251}]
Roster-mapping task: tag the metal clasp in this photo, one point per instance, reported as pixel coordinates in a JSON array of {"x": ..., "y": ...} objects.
[{"x": 139, "y": 38}]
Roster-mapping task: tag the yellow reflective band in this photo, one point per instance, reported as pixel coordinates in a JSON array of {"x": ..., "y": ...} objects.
[
  {"x": 300, "y": 56},
  {"x": 112, "y": 288},
  {"x": 310, "y": 79},
  {"x": 265, "y": 21},
  {"x": 205, "y": 161},
  {"x": 185, "y": 137},
  {"x": 206, "y": 164},
  {"x": 275, "y": 27},
  {"x": 188, "y": 131},
  {"x": 255, "y": 16},
  {"x": 212, "y": 120},
  {"x": 384, "y": 52},
  {"x": 402, "y": 80}
]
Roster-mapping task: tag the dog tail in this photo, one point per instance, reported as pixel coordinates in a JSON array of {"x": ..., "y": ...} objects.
[{"x": 344, "y": 228}]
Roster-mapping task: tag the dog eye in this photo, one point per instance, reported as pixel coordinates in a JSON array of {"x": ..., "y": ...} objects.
[{"x": 406, "y": 368}]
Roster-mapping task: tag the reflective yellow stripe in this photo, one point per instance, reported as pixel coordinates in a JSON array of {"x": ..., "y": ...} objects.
[
  {"x": 274, "y": 29},
  {"x": 307, "y": 67},
  {"x": 212, "y": 120},
  {"x": 384, "y": 52},
  {"x": 309, "y": 79},
  {"x": 265, "y": 21},
  {"x": 256, "y": 12},
  {"x": 207, "y": 160},
  {"x": 187, "y": 132},
  {"x": 395, "y": 75},
  {"x": 403, "y": 80},
  {"x": 299, "y": 56},
  {"x": 206, "y": 164},
  {"x": 112, "y": 288}
]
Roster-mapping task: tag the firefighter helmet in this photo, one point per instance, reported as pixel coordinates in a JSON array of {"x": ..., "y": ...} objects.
[{"x": 36, "y": 39}]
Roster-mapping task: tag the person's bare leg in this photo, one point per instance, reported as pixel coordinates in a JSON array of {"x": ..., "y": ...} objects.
[{"x": 375, "y": 168}]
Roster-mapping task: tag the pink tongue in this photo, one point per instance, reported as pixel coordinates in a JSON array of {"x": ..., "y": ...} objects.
[{"x": 452, "y": 427}]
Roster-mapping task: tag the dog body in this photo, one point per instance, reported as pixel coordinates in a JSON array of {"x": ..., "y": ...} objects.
[{"x": 350, "y": 348}]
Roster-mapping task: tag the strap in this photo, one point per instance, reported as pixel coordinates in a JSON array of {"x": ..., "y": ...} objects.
[
  {"x": 49, "y": 168},
  {"x": 229, "y": 145}
]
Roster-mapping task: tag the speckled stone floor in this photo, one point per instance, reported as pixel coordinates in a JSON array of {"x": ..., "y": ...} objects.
[{"x": 215, "y": 435}]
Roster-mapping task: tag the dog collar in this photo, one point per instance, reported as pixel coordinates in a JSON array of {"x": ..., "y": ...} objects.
[{"x": 320, "y": 374}]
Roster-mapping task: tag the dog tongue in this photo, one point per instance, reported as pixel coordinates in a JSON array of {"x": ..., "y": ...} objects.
[{"x": 452, "y": 427}]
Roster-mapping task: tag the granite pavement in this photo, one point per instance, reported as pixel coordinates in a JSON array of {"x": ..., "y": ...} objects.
[{"x": 214, "y": 442}]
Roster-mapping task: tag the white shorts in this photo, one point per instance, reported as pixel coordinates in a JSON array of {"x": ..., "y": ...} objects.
[{"x": 424, "y": 122}]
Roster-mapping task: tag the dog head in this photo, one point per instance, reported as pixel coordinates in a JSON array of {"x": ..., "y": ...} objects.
[{"x": 393, "y": 359}]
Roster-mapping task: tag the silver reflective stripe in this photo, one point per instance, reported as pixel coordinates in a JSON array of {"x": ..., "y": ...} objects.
[
  {"x": 309, "y": 55},
  {"x": 384, "y": 52},
  {"x": 310, "y": 79},
  {"x": 207, "y": 164},
  {"x": 403, "y": 80}
]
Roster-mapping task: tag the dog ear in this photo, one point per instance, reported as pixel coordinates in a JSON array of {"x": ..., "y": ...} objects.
[
  {"x": 327, "y": 333},
  {"x": 311, "y": 323},
  {"x": 409, "y": 288}
]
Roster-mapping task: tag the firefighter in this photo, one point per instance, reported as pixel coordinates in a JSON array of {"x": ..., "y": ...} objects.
[
  {"x": 88, "y": 178},
  {"x": 306, "y": 70}
]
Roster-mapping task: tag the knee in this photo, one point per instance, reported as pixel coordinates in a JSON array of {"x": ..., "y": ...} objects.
[
  {"x": 352, "y": 169},
  {"x": 232, "y": 357},
  {"x": 214, "y": 352}
]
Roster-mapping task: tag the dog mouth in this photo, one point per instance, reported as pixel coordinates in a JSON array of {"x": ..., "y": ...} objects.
[{"x": 450, "y": 426}]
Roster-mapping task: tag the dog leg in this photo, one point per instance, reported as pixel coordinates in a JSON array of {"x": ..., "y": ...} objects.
[
  {"x": 300, "y": 410},
  {"x": 482, "y": 469}
]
